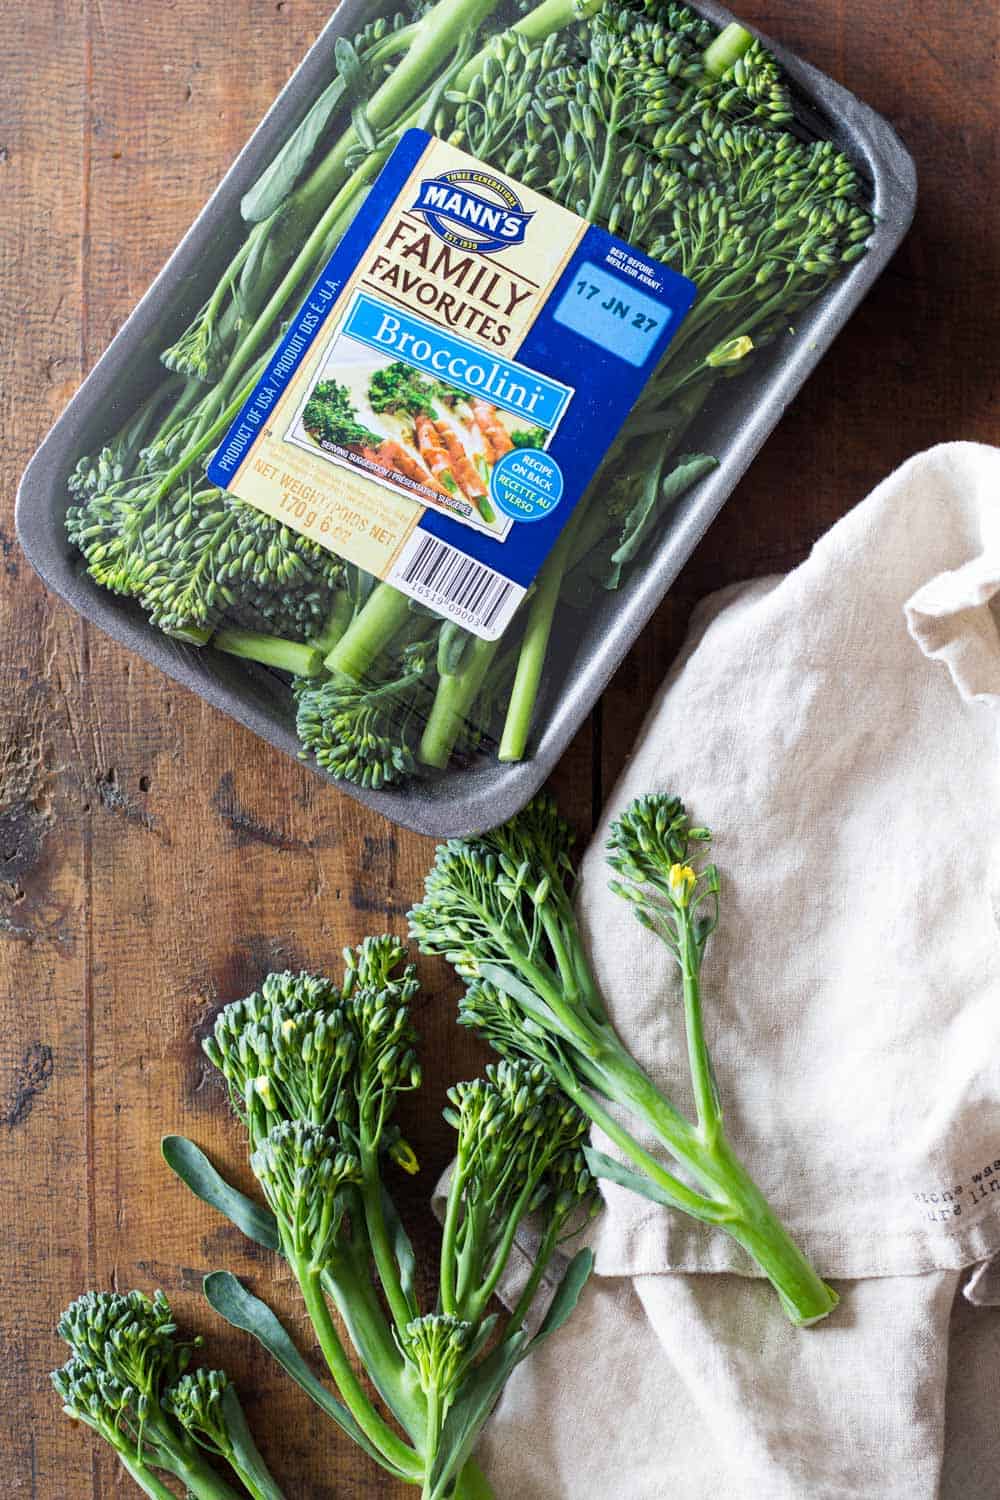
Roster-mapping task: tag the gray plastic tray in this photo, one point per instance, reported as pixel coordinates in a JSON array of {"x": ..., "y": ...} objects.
[{"x": 484, "y": 793}]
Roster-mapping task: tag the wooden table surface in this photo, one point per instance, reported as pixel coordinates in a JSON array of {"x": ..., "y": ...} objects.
[{"x": 156, "y": 858}]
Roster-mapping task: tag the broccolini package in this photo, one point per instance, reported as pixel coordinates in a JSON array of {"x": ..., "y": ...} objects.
[
  {"x": 443, "y": 387},
  {"x": 447, "y": 392}
]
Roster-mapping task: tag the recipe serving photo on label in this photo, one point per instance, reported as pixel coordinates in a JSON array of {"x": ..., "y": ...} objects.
[{"x": 452, "y": 382}]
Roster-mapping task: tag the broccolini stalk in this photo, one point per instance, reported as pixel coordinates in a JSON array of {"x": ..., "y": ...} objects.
[
  {"x": 457, "y": 692},
  {"x": 205, "y": 1404},
  {"x": 726, "y": 50},
  {"x": 499, "y": 908},
  {"x": 372, "y": 630},
  {"x": 270, "y": 651},
  {"x": 126, "y": 1380},
  {"x": 314, "y": 1071},
  {"x": 534, "y": 646}
]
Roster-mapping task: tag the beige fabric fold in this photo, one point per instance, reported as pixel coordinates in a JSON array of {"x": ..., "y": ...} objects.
[
  {"x": 837, "y": 728},
  {"x": 691, "y": 1388}
]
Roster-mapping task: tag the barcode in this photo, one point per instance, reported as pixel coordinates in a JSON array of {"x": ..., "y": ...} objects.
[{"x": 456, "y": 585}]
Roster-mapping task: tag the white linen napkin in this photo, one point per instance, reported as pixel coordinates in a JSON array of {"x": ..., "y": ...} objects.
[{"x": 837, "y": 729}]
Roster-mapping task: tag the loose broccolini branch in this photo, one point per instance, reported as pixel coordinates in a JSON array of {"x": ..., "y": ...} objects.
[
  {"x": 126, "y": 1380},
  {"x": 314, "y": 1071},
  {"x": 499, "y": 908}
]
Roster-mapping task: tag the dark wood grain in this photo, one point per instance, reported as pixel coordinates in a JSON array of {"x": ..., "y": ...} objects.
[{"x": 155, "y": 859}]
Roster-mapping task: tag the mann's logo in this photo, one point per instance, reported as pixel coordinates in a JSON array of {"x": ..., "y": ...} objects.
[{"x": 472, "y": 210}]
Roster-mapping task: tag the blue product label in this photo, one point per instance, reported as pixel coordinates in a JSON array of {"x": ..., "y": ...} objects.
[
  {"x": 527, "y": 484},
  {"x": 606, "y": 311},
  {"x": 523, "y": 392},
  {"x": 452, "y": 382}
]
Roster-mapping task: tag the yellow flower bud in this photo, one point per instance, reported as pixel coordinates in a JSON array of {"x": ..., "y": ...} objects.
[
  {"x": 262, "y": 1086},
  {"x": 404, "y": 1156},
  {"x": 682, "y": 882}
]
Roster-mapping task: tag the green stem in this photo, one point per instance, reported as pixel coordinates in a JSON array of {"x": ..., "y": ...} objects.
[
  {"x": 206, "y": 441},
  {"x": 356, "y": 1301},
  {"x": 453, "y": 701},
  {"x": 556, "y": 928},
  {"x": 257, "y": 1480},
  {"x": 270, "y": 651},
  {"x": 706, "y": 1094},
  {"x": 242, "y": 1454},
  {"x": 544, "y": 1254},
  {"x": 261, "y": 1486},
  {"x": 179, "y": 1454},
  {"x": 679, "y": 1195},
  {"x": 191, "y": 394},
  {"x": 378, "y": 1236},
  {"x": 605, "y": 177},
  {"x": 535, "y": 645},
  {"x": 737, "y": 1203},
  {"x": 805, "y": 1297},
  {"x": 371, "y": 630},
  {"x": 399, "y": 1456},
  {"x": 456, "y": 1188},
  {"x": 258, "y": 1492},
  {"x": 726, "y": 49},
  {"x": 549, "y": 17},
  {"x": 147, "y": 1481},
  {"x": 435, "y": 1418},
  {"x": 190, "y": 635},
  {"x": 337, "y": 622},
  {"x": 202, "y": 1481},
  {"x": 469, "y": 1262},
  {"x": 478, "y": 1301}
]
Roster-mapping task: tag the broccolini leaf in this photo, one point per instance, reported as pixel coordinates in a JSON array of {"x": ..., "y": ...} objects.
[
  {"x": 654, "y": 499},
  {"x": 279, "y": 179},
  {"x": 274, "y": 185},
  {"x": 195, "y": 1170},
  {"x": 453, "y": 643},
  {"x": 241, "y": 1309},
  {"x": 567, "y": 1295}
]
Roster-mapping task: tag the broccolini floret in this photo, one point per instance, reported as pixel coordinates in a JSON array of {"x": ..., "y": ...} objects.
[{"x": 127, "y": 1379}]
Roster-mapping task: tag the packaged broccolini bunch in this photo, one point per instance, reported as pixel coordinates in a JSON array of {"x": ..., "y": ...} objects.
[{"x": 439, "y": 399}]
